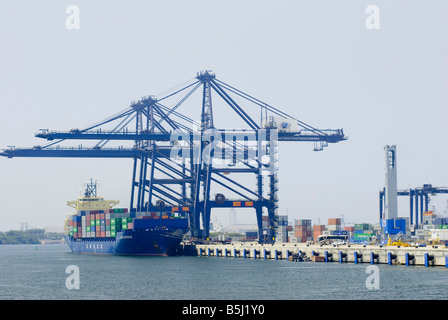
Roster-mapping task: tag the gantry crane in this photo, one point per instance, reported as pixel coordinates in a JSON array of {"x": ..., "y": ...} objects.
[
  {"x": 177, "y": 161},
  {"x": 418, "y": 198}
]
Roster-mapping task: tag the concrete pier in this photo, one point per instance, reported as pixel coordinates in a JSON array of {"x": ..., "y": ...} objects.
[{"x": 352, "y": 253}]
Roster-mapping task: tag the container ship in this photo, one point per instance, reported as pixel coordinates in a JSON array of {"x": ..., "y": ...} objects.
[{"x": 98, "y": 228}]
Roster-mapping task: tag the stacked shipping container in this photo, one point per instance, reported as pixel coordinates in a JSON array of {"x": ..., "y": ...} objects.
[
  {"x": 334, "y": 227},
  {"x": 100, "y": 223},
  {"x": 334, "y": 224},
  {"x": 318, "y": 229},
  {"x": 106, "y": 223},
  {"x": 302, "y": 230},
  {"x": 282, "y": 230}
]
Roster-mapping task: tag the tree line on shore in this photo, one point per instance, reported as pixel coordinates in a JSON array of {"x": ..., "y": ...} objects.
[{"x": 30, "y": 236}]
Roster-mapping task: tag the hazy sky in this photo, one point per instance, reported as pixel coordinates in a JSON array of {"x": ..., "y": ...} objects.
[{"x": 315, "y": 60}]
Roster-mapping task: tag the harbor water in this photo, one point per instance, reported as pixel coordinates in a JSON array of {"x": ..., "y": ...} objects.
[{"x": 44, "y": 272}]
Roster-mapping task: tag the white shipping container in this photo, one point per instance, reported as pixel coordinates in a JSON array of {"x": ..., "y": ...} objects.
[
  {"x": 300, "y": 222},
  {"x": 428, "y": 227},
  {"x": 282, "y": 239},
  {"x": 107, "y": 233},
  {"x": 107, "y": 215},
  {"x": 291, "y": 233},
  {"x": 334, "y": 227},
  {"x": 439, "y": 234},
  {"x": 443, "y": 234},
  {"x": 293, "y": 239}
]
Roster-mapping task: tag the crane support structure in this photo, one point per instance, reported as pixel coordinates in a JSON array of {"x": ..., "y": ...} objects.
[
  {"x": 419, "y": 199},
  {"x": 177, "y": 161}
]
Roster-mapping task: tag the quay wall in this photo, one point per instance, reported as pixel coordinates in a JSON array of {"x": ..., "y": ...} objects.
[{"x": 352, "y": 253}]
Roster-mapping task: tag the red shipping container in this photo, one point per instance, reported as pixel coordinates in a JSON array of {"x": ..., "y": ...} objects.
[
  {"x": 107, "y": 222},
  {"x": 103, "y": 234},
  {"x": 351, "y": 229}
]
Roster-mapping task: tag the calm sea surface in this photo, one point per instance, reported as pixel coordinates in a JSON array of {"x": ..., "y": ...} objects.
[{"x": 34, "y": 272}]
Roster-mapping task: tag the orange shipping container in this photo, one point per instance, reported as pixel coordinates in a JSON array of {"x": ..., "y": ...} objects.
[
  {"x": 334, "y": 221},
  {"x": 303, "y": 228},
  {"x": 317, "y": 259},
  {"x": 299, "y": 234}
]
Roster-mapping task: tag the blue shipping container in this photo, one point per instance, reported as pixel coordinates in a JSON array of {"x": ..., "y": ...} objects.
[
  {"x": 393, "y": 226},
  {"x": 339, "y": 232}
]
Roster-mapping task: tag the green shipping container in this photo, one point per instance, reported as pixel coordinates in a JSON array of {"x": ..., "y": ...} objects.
[
  {"x": 112, "y": 227},
  {"x": 88, "y": 228},
  {"x": 362, "y": 226},
  {"x": 75, "y": 229},
  {"x": 124, "y": 221},
  {"x": 113, "y": 234},
  {"x": 70, "y": 233},
  {"x": 443, "y": 226},
  {"x": 98, "y": 222},
  {"x": 92, "y": 223},
  {"x": 112, "y": 221},
  {"x": 364, "y": 235}
]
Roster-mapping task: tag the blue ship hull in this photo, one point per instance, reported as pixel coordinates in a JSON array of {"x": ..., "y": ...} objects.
[{"x": 148, "y": 237}]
